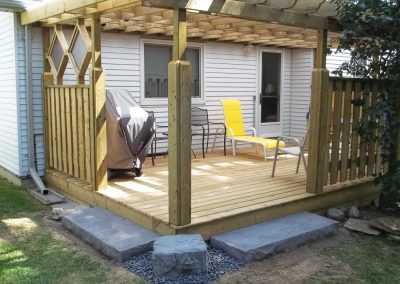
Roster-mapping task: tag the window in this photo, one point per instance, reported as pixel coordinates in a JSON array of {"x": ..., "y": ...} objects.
[{"x": 156, "y": 59}]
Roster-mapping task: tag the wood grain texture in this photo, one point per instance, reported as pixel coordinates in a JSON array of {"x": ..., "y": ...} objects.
[
  {"x": 355, "y": 138},
  {"x": 319, "y": 108},
  {"x": 179, "y": 138},
  {"x": 346, "y": 120}
]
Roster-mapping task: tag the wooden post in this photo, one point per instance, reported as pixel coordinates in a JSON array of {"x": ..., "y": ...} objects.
[
  {"x": 179, "y": 138},
  {"x": 318, "y": 118},
  {"x": 98, "y": 110},
  {"x": 47, "y": 80}
]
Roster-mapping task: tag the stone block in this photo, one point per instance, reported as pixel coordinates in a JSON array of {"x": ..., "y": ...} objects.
[
  {"x": 262, "y": 240},
  {"x": 114, "y": 236},
  {"x": 179, "y": 255}
]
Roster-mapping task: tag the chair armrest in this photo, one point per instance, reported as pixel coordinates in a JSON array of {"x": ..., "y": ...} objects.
[
  {"x": 217, "y": 123},
  {"x": 197, "y": 125},
  {"x": 231, "y": 132},
  {"x": 161, "y": 126},
  {"x": 280, "y": 138},
  {"x": 252, "y": 129}
]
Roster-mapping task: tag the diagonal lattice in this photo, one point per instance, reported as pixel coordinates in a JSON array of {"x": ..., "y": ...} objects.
[
  {"x": 57, "y": 54},
  {"x": 79, "y": 50}
]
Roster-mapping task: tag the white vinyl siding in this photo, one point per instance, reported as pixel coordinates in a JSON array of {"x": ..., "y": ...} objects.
[
  {"x": 286, "y": 96},
  {"x": 22, "y": 101},
  {"x": 302, "y": 65},
  {"x": 37, "y": 71},
  {"x": 229, "y": 73},
  {"x": 9, "y": 138},
  {"x": 335, "y": 60}
]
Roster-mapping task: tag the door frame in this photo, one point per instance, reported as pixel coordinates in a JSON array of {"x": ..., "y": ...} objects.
[{"x": 259, "y": 82}]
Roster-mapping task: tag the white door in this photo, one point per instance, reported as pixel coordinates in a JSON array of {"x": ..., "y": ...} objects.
[{"x": 270, "y": 94}]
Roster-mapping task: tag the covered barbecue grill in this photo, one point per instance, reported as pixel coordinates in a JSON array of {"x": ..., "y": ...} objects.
[{"x": 130, "y": 132}]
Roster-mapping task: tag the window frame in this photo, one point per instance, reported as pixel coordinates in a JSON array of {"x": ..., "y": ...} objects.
[{"x": 164, "y": 101}]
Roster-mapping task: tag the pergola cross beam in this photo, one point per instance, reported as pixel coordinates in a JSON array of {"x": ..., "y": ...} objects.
[
  {"x": 54, "y": 9},
  {"x": 58, "y": 11},
  {"x": 248, "y": 11}
]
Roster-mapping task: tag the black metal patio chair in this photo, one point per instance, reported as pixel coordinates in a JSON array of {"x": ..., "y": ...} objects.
[
  {"x": 159, "y": 136},
  {"x": 201, "y": 127}
]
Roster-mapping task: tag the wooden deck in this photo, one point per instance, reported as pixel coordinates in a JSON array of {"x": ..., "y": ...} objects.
[
  {"x": 227, "y": 193},
  {"x": 221, "y": 186}
]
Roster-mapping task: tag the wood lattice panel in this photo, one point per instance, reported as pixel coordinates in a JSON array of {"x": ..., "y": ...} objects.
[{"x": 78, "y": 51}]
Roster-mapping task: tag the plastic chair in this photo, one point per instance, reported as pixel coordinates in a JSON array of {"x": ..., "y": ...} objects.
[
  {"x": 236, "y": 128},
  {"x": 297, "y": 148}
]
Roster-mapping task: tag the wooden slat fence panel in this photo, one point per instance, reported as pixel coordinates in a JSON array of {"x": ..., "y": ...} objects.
[
  {"x": 354, "y": 135},
  {"x": 336, "y": 125},
  {"x": 69, "y": 130},
  {"x": 345, "y": 130},
  {"x": 349, "y": 156}
]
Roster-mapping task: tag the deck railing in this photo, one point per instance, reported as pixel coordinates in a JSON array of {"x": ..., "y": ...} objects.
[
  {"x": 69, "y": 130},
  {"x": 349, "y": 156}
]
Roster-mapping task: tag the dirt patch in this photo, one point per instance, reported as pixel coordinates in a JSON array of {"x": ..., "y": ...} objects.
[
  {"x": 294, "y": 266},
  {"x": 329, "y": 260}
]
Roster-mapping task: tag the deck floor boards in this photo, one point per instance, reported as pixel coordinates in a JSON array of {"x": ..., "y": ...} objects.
[{"x": 221, "y": 186}]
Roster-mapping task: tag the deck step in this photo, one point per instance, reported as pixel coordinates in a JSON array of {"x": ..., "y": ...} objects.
[
  {"x": 114, "y": 236},
  {"x": 262, "y": 240}
]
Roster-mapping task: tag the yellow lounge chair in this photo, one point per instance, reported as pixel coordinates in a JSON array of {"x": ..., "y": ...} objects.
[{"x": 235, "y": 129}]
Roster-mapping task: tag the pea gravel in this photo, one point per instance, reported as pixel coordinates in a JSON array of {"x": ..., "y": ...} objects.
[{"x": 218, "y": 264}]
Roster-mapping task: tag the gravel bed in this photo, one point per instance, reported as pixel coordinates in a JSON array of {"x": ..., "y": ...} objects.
[{"x": 218, "y": 264}]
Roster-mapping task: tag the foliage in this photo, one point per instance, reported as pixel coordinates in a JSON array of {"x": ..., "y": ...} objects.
[{"x": 371, "y": 33}]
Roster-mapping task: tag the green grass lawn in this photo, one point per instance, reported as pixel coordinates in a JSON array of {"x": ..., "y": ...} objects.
[{"x": 33, "y": 252}]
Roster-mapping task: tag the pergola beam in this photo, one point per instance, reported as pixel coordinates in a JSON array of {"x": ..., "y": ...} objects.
[
  {"x": 105, "y": 6},
  {"x": 255, "y": 12},
  {"x": 54, "y": 9}
]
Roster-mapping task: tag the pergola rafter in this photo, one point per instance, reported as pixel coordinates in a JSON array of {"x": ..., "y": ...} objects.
[{"x": 251, "y": 11}]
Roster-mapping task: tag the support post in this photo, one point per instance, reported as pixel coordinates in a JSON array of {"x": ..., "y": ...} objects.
[
  {"x": 318, "y": 118},
  {"x": 47, "y": 80},
  {"x": 179, "y": 138},
  {"x": 98, "y": 110}
]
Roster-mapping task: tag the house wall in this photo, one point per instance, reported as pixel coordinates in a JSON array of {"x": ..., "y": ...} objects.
[
  {"x": 229, "y": 72},
  {"x": 9, "y": 95},
  {"x": 302, "y": 65},
  {"x": 37, "y": 70},
  {"x": 335, "y": 59}
]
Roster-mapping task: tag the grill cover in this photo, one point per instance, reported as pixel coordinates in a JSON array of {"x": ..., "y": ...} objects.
[{"x": 130, "y": 131}]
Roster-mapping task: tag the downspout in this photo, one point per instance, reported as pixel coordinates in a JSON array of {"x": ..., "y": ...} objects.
[{"x": 31, "y": 136}]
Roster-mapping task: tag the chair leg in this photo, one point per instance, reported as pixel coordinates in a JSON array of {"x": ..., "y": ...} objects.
[
  {"x": 152, "y": 153},
  {"x": 298, "y": 164},
  {"x": 274, "y": 165},
  {"x": 202, "y": 146},
  {"x": 304, "y": 161},
  {"x": 214, "y": 140},
  {"x": 233, "y": 147},
  {"x": 225, "y": 143},
  {"x": 208, "y": 140},
  {"x": 265, "y": 153}
]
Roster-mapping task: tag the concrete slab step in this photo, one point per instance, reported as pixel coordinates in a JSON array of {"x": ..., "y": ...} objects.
[
  {"x": 114, "y": 236},
  {"x": 262, "y": 240}
]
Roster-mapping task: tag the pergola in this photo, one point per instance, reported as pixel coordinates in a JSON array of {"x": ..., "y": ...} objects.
[{"x": 287, "y": 23}]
